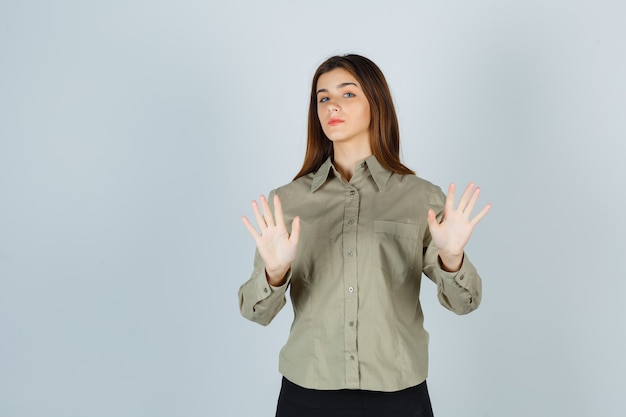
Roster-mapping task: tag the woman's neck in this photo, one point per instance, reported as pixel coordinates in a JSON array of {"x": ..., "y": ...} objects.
[{"x": 346, "y": 156}]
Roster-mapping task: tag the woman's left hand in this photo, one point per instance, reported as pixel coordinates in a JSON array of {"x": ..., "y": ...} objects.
[{"x": 452, "y": 234}]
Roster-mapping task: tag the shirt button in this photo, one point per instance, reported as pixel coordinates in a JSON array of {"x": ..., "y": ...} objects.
[
  {"x": 462, "y": 277},
  {"x": 350, "y": 289},
  {"x": 352, "y": 192},
  {"x": 350, "y": 254},
  {"x": 351, "y": 357},
  {"x": 350, "y": 221},
  {"x": 351, "y": 324},
  {"x": 265, "y": 290}
]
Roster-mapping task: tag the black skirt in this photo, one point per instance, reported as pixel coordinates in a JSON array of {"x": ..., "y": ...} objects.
[{"x": 295, "y": 401}]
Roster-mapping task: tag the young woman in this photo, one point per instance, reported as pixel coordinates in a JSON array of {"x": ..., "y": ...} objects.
[{"x": 351, "y": 236}]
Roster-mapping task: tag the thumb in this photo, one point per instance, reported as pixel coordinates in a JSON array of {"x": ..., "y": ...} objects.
[
  {"x": 432, "y": 219},
  {"x": 295, "y": 230}
]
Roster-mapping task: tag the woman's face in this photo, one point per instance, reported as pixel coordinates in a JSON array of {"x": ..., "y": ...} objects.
[{"x": 342, "y": 107}]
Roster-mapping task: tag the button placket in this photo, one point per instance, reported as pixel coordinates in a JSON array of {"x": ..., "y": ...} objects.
[{"x": 350, "y": 280}]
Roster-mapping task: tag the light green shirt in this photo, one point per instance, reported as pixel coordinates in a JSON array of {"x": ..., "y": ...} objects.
[{"x": 355, "y": 282}]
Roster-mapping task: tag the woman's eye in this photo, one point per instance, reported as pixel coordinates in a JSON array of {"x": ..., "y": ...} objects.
[
  {"x": 323, "y": 99},
  {"x": 348, "y": 95}
]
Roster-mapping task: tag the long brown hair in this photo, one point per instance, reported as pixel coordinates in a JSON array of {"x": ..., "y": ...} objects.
[{"x": 384, "y": 131}]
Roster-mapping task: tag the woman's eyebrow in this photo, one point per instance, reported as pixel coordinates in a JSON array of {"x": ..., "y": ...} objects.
[{"x": 342, "y": 85}]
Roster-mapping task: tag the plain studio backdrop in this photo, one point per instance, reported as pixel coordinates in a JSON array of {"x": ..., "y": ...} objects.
[{"x": 134, "y": 134}]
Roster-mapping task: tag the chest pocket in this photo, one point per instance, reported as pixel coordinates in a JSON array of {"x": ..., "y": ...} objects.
[{"x": 395, "y": 247}]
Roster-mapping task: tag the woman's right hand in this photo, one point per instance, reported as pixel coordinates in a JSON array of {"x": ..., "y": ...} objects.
[{"x": 277, "y": 248}]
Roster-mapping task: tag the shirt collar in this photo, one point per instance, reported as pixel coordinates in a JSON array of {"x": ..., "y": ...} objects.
[{"x": 378, "y": 172}]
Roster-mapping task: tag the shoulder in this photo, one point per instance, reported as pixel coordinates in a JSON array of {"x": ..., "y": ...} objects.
[
  {"x": 413, "y": 182},
  {"x": 295, "y": 187},
  {"x": 417, "y": 188}
]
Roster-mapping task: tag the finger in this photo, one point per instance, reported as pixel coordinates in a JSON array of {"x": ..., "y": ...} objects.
[
  {"x": 449, "y": 205},
  {"x": 480, "y": 215},
  {"x": 258, "y": 216},
  {"x": 278, "y": 212},
  {"x": 295, "y": 230},
  {"x": 431, "y": 219},
  {"x": 267, "y": 213},
  {"x": 465, "y": 198},
  {"x": 473, "y": 200},
  {"x": 253, "y": 232}
]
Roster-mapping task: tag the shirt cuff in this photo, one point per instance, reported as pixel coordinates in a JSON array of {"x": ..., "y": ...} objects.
[
  {"x": 463, "y": 277},
  {"x": 265, "y": 289}
]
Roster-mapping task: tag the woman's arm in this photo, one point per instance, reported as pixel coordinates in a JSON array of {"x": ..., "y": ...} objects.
[
  {"x": 459, "y": 287},
  {"x": 263, "y": 295}
]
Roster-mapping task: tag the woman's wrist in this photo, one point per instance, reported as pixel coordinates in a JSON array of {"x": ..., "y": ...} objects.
[
  {"x": 276, "y": 276},
  {"x": 450, "y": 263}
]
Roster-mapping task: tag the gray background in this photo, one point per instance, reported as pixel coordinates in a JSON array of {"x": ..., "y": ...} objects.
[{"x": 133, "y": 135}]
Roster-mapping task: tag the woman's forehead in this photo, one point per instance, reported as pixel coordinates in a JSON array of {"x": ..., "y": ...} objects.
[{"x": 336, "y": 78}]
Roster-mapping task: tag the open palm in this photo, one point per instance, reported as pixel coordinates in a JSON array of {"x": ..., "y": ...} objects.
[
  {"x": 453, "y": 232},
  {"x": 275, "y": 245}
]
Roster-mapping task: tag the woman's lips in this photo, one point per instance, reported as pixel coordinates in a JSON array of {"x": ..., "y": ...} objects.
[{"x": 335, "y": 121}]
